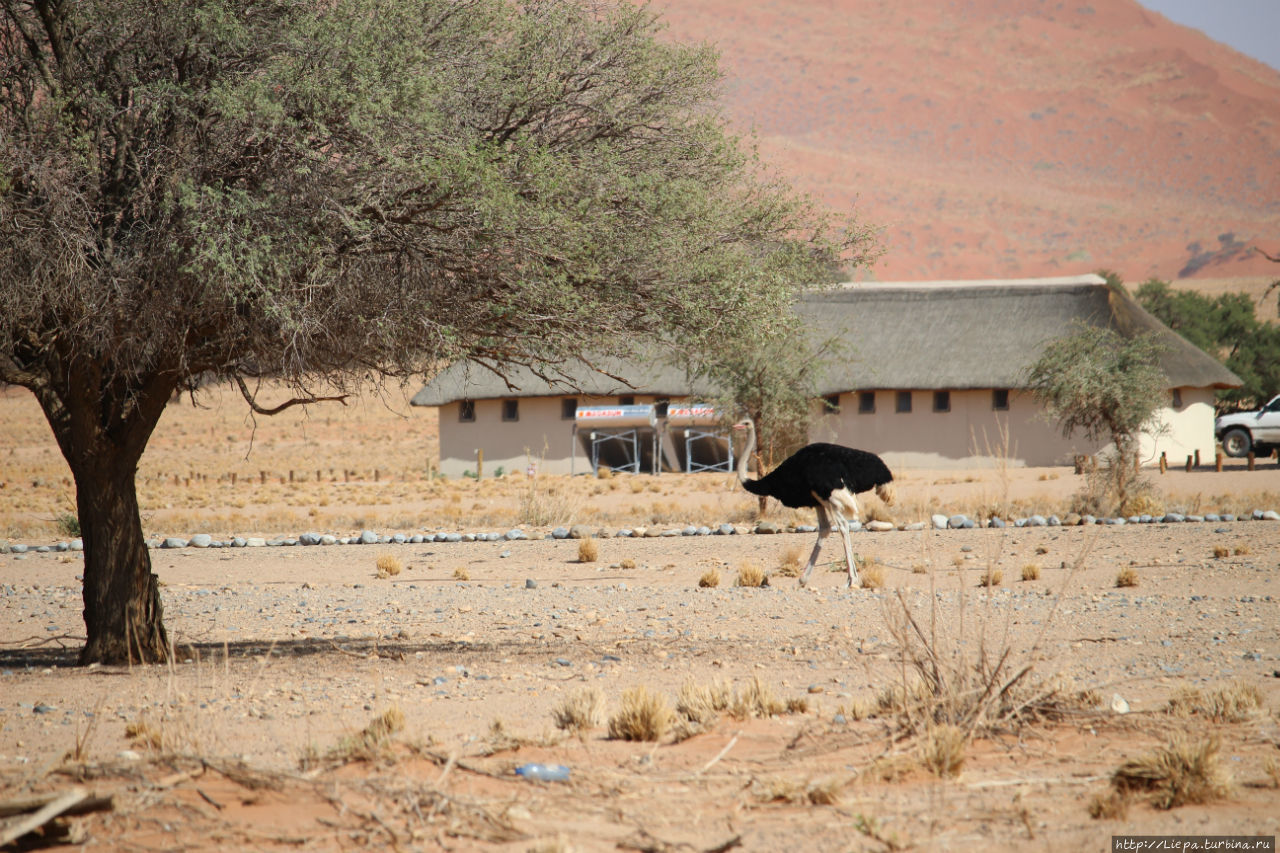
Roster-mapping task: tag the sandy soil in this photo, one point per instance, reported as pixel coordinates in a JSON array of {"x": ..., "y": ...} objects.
[{"x": 252, "y": 738}]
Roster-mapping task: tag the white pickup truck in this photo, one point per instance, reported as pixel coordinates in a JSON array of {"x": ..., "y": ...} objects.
[{"x": 1256, "y": 431}]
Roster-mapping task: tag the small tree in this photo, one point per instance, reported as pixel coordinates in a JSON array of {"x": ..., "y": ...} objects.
[{"x": 1108, "y": 387}]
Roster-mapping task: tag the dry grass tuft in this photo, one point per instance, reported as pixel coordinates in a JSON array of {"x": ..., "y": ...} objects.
[
  {"x": 991, "y": 577},
  {"x": 1242, "y": 550},
  {"x": 1221, "y": 551},
  {"x": 1272, "y": 768},
  {"x": 588, "y": 552},
  {"x": 943, "y": 750},
  {"x": 777, "y": 790},
  {"x": 872, "y": 576},
  {"x": 1233, "y": 703},
  {"x": 373, "y": 741},
  {"x": 756, "y": 700},
  {"x": 142, "y": 733},
  {"x": 1181, "y": 772},
  {"x": 627, "y": 563},
  {"x": 1112, "y": 805},
  {"x": 703, "y": 703},
  {"x": 461, "y": 574},
  {"x": 789, "y": 562},
  {"x": 580, "y": 711},
  {"x": 710, "y": 578},
  {"x": 1031, "y": 572},
  {"x": 644, "y": 716},
  {"x": 389, "y": 565},
  {"x": 750, "y": 575},
  {"x": 1127, "y": 577}
]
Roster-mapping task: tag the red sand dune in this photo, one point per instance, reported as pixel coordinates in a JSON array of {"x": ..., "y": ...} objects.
[{"x": 998, "y": 138}]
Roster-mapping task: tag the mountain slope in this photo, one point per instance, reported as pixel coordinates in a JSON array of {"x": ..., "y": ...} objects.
[{"x": 996, "y": 138}]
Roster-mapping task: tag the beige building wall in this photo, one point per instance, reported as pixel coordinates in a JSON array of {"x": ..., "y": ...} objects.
[
  {"x": 972, "y": 434},
  {"x": 540, "y": 436}
]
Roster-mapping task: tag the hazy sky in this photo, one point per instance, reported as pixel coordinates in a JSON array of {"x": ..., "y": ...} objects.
[{"x": 1250, "y": 26}]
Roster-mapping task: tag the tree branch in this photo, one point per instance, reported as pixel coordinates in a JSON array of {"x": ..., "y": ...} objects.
[{"x": 288, "y": 404}]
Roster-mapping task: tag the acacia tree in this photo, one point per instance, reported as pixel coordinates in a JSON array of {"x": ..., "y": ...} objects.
[
  {"x": 319, "y": 192},
  {"x": 1107, "y": 386}
]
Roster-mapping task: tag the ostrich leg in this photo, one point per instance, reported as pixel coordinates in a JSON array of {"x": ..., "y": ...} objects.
[
  {"x": 824, "y": 530},
  {"x": 854, "y": 580}
]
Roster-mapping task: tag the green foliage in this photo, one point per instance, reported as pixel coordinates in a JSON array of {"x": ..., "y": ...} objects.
[
  {"x": 773, "y": 380},
  {"x": 1106, "y": 386},
  {"x": 1227, "y": 328}
]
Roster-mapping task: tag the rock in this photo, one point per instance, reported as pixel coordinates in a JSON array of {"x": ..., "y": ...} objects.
[
  {"x": 604, "y": 533},
  {"x": 806, "y": 528},
  {"x": 704, "y": 531},
  {"x": 560, "y": 533},
  {"x": 1054, "y": 521},
  {"x": 1118, "y": 705},
  {"x": 939, "y": 521},
  {"x": 19, "y": 548},
  {"x": 328, "y": 539},
  {"x": 1271, "y": 515},
  {"x": 453, "y": 537},
  {"x": 725, "y": 530},
  {"x": 564, "y": 662},
  {"x": 956, "y": 522},
  {"x": 625, "y": 533},
  {"x": 400, "y": 538},
  {"x": 853, "y": 527},
  {"x": 1173, "y": 518},
  {"x": 1038, "y": 521},
  {"x": 879, "y": 526},
  {"x": 530, "y": 583},
  {"x": 171, "y": 542},
  {"x": 309, "y": 538},
  {"x": 77, "y": 544},
  {"x": 368, "y": 537},
  {"x": 767, "y": 527},
  {"x": 996, "y": 522},
  {"x": 652, "y": 533},
  {"x": 255, "y": 542},
  {"x": 915, "y": 525},
  {"x": 238, "y": 542},
  {"x": 579, "y": 531},
  {"x": 514, "y": 534},
  {"x": 200, "y": 540},
  {"x": 691, "y": 530},
  {"x": 1072, "y": 519}
]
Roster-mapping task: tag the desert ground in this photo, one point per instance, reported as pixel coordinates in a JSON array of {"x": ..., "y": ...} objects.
[{"x": 986, "y": 689}]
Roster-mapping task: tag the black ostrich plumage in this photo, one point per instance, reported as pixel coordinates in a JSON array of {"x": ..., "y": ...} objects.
[{"x": 821, "y": 468}]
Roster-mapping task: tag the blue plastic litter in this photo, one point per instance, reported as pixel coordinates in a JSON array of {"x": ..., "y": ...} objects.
[{"x": 544, "y": 772}]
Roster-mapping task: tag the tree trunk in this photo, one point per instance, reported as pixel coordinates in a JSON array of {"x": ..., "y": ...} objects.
[
  {"x": 122, "y": 609},
  {"x": 102, "y": 427}
]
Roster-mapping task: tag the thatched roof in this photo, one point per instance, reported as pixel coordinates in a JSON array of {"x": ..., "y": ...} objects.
[
  {"x": 917, "y": 335},
  {"x": 982, "y": 334}
]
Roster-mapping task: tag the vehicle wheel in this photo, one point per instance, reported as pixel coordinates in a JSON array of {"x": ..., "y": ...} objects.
[{"x": 1236, "y": 443}]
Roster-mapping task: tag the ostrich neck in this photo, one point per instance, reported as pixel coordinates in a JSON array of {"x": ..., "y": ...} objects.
[{"x": 745, "y": 458}]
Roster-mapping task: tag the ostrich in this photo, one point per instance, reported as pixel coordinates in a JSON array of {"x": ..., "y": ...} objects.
[{"x": 825, "y": 477}]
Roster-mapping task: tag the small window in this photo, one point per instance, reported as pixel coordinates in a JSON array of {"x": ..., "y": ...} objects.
[
  {"x": 866, "y": 402},
  {"x": 511, "y": 410},
  {"x": 568, "y": 408},
  {"x": 1000, "y": 399},
  {"x": 904, "y": 402},
  {"x": 1177, "y": 398},
  {"x": 942, "y": 401},
  {"x": 832, "y": 402},
  {"x": 467, "y": 411},
  {"x": 626, "y": 401}
]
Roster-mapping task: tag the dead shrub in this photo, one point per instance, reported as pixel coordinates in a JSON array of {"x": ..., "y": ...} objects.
[
  {"x": 1221, "y": 551},
  {"x": 1242, "y": 550},
  {"x": 389, "y": 565},
  {"x": 1126, "y": 577},
  {"x": 824, "y": 793},
  {"x": 750, "y": 575},
  {"x": 710, "y": 578},
  {"x": 1233, "y": 703},
  {"x": 991, "y": 577},
  {"x": 644, "y": 716},
  {"x": 461, "y": 574},
  {"x": 587, "y": 551},
  {"x": 373, "y": 741},
  {"x": 1031, "y": 572},
  {"x": 1181, "y": 772},
  {"x": 1112, "y": 805},
  {"x": 627, "y": 563},
  {"x": 580, "y": 711}
]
